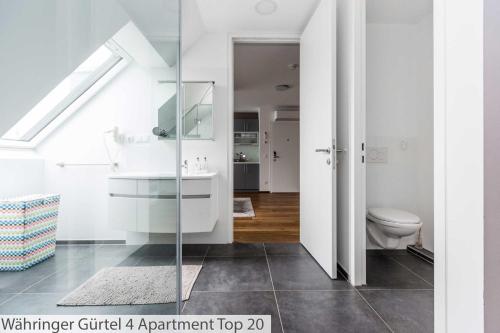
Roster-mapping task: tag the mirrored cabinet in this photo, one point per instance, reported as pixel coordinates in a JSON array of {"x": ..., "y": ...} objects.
[{"x": 197, "y": 114}]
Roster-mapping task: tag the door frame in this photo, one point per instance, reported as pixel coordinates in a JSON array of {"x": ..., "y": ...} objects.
[{"x": 246, "y": 38}]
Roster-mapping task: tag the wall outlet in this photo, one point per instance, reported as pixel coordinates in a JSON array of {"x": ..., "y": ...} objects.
[{"x": 377, "y": 155}]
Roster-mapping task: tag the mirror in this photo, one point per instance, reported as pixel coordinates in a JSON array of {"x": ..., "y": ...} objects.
[{"x": 197, "y": 115}]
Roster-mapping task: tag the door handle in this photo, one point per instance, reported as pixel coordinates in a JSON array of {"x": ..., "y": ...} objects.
[{"x": 327, "y": 150}]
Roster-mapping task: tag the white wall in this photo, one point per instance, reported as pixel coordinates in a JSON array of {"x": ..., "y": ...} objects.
[
  {"x": 399, "y": 119},
  {"x": 425, "y": 119},
  {"x": 21, "y": 173}
]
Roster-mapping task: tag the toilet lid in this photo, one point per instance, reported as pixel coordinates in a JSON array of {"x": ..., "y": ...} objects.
[{"x": 394, "y": 215}]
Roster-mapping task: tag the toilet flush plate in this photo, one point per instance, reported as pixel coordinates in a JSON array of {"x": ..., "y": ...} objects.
[{"x": 377, "y": 155}]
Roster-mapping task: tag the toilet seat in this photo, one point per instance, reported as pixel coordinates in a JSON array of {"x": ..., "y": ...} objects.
[{"x": 392, "y": 217}]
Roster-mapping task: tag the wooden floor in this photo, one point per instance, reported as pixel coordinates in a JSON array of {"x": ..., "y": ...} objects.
[{"x": 276, "y": 219}]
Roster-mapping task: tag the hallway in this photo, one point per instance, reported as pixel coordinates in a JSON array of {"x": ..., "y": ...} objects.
[{"x": 276, "y": 219}]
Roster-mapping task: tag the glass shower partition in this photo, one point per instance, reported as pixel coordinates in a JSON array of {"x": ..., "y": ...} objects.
[
  {"x": 82, "y": 158},
  {"x": 152, "y": 165}
]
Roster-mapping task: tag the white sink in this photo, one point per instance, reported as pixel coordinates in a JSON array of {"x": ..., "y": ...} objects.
[{"x": 146, "y": 202}]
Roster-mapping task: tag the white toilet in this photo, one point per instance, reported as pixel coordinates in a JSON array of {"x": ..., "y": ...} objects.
[{"x": 386, "y": 226}]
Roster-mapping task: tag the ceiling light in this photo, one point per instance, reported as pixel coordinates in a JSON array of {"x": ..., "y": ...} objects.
[
  {"x": 282, "y": 87},
  {"x": 266, "y": 7}
]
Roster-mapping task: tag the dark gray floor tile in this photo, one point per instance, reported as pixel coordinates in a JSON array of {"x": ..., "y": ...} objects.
[
  {"x": 4, "y": 297},
  {"x": 327, "y": 311},
  {"x": 46, "y": 304},
  {"x": 14, "y": 282},
  {"x": 236, "y": 250},
  {"x": 234, "y": 303},
  {"x": 169, "y": 250},
  {"x": 285, "y": 249},
  {"x": 68, "y": 279},
  {"x": 419, "y": 266},
  {"x": 404, "y": 310},
  {"x": 76, "y": 251},
  {"x": 384, "y": 273},
  {"x": 191, "y": 261},
  {"x": 130, "y": 261},
  {"x": 156, "y": 261},
  {"x": 301, "y": 273},
  {"x": 168, "y": 261},
  {"x": 117, "y": 251},
  {"x": 234, "y": 274}
]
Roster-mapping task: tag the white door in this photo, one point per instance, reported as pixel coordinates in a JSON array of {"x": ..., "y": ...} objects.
[
  {"x": 318, "y": 218},
  {"x": 285, "y": 160}
]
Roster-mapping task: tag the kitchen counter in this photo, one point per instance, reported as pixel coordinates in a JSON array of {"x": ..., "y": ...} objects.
[{"x": 248, "y": 162}]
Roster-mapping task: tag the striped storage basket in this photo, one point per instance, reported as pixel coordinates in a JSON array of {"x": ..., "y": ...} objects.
[{"x": 27, "y": 231}]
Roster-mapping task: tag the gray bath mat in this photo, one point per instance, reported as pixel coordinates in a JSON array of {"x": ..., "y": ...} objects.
[
  {"x": 133, "y": 285},
  {"x": 242, "y": 207}
]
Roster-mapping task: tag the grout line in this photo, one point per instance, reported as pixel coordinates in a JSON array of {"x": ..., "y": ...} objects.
[
  {"x": 373, "y": 309},
  {"x": 274, "y": 290},
  {"x": 392, "y": 289},
  {"x": 9, "y": 298},
  {"x": 231, "y": 291},
  {"x": 43, "y": 279},
  {"x": 284, "y": 290},
  {"x": 205, "y": 256},
  {"x": 411, "y": 271}
]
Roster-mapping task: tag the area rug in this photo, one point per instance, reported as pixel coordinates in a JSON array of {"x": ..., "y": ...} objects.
[
  {"x": 243, "y": 207},
  {"x": 133, "y": 286}
]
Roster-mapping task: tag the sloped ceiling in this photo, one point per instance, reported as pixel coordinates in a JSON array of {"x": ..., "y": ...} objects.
[{"x": 158, "y": 20}]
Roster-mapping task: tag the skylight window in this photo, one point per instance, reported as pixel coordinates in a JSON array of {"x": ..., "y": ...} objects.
[{"x": 63, "y": 95}]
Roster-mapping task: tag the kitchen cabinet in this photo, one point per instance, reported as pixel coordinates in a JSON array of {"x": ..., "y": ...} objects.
[
  {"x": 246, "y": 125},
  {"x": 246, "y": 176},
  {"x": 239, "y": 176}
]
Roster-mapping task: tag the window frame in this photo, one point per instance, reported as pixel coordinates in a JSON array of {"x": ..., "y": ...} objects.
[{"x": 70, "y": 104}]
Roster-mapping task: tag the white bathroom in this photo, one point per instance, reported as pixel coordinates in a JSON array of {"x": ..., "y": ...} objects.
[
  {"x": 108, "y": 137},
  {"x": 399, "y": 126},
  {"x": 119, "y": 131}
]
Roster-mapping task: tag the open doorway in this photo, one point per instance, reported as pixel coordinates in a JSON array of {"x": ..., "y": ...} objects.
[
  {"x": 399, "y": 159},
  {"x": 266, "y": 142}
]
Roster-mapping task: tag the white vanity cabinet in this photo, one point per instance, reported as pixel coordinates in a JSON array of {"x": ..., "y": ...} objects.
[{"x": 140, "y": 202}]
